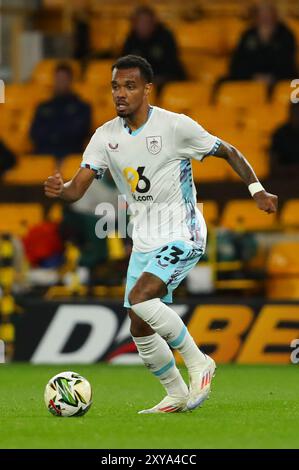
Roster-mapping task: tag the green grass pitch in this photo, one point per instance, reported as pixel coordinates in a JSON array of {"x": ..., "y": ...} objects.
[{"x": 250, "y": 407}]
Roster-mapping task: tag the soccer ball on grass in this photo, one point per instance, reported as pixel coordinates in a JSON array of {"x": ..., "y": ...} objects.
[{"x": 68, "y": 394}]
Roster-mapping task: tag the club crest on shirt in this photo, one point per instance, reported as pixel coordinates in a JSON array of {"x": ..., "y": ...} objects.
[{"x": 154, "y": 144}]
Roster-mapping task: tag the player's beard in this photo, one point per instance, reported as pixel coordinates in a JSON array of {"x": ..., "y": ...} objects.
[{"x": 124, "y": 114}]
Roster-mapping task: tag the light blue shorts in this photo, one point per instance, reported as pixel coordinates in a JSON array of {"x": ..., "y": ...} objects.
[{"x": 171, "y": 264}]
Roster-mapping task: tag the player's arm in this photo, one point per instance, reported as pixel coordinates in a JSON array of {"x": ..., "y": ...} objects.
[
  {"x": 264, "y": 200},
  {"x": 71, "y": 191}
]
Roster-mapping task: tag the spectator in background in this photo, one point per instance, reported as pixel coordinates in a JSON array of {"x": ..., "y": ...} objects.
[
  {"x": 7, "y": 158},
  {"x": 265, "y": 51},
  {"x": 62, "y": 124},
  {"x": 150, "y": 39},
  {"x": 285, "y": 147},
  {"x": 81, "y": 16},
  {"x": 81, "y": 37}
]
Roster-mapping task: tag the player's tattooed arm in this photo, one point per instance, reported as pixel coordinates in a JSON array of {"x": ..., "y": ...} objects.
[
  {"x": 264, "y": 200},
  {"x": 71, "y": 191},
  {"x": 237, "y": 161}
]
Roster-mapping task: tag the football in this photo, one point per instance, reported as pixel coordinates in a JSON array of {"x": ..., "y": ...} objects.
[{"x": 68, "y": 394}]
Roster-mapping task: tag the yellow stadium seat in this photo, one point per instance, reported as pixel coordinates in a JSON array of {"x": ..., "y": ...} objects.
[
  {"x": 282, "y": 93},
  {"x": 98, "y": 73},
  {"x": 107, "y": 34},
  {"x": 289, "y": 216},
  {"x": 185, "y": 97},
  {"x": 211, "y": 169},
  {"x": 210, "y": 211},
  {"x": 218, "y": 119},
  {"x": 15, "y": 129},
  {"x": 43, "y": 72},
  {"x": 203, "y": 67},
  {"x": 204, "y": 36},
  {"x": 102, "y": 114},
  {"x": 15, "y": 95},
  {"x": 266, "y": 119},
  {"x": 244, "y": 214},
  {"x": 31, "y": 169},
  {"x": 283, "y": 288},
  {"x": 20, "y": 96},
  {"x": 232, "y": 28},
  {"x": 70, "y": 165},
  {"x": 242, "y": 94},
  {"x": 284, "y": 259},
  {"x": 15, "y": 218}
]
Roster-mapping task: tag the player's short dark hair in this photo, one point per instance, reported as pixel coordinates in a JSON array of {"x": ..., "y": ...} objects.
[
  {"x": 64, "y": 67},
  {"x": 135, "y": 61}
]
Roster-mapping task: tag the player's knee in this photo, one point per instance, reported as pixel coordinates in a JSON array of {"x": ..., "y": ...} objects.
[
  {"x": 137, "y": 296},
  {"x": 139, "y": 327}
]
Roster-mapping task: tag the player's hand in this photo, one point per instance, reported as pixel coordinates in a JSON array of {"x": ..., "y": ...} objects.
[
  {"x": 54, "y": 186},
  {"x": 266, "y": 201}
]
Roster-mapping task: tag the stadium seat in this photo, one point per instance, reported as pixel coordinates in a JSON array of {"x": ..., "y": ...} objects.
[
  {"x": 232, "y": 28},
  {"x": 185, "y": 97},
  {"x": 20, "y": 96},
  {"x": 289, "y": 216},
  {"x": 31, "y": 169},
  {"x": 102, "y": 114},
  {"x": 43, "y": 72},
  {"x": 244, "y": 214},
  {"x": 283, "y": 288},
  {"x": 16, "y": 218},
  {"x": 98, "y": 73},
  {"x": 108, "y": 34},
  {"x": 242, "y": 94},
  {"x": 268, "y": 118},
  {"x": 70, "y": 165},
  {"x": 203, "y": 67},
  {"x": 88, "y": 92},
  {"x": 210, "y": 211},
  {"x": 203, "y": 36},
  {"x": 283, "y": 259},
  {"x": 15, "y": 129},
  {"x": 210, "y": 169},
  {"x": 218, "y": 119},
  {"x": 282, "y": 93}
]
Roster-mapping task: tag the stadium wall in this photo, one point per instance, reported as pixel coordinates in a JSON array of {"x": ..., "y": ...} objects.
[{"x": 246, "y": 332}]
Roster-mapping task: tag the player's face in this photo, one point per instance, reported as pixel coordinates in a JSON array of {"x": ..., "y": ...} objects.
[{"x": 129, "y": 90}]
